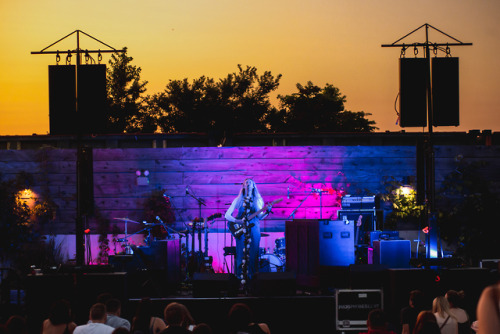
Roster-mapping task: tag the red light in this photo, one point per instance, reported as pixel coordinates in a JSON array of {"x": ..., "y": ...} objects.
[
  {"x": 437, "y": 279},
  {"x": 87, "y": 231},
  {"x": 425, "y": 229}
]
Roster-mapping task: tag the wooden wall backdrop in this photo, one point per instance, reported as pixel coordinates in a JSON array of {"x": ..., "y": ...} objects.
[{"x": 215, "y": 174}]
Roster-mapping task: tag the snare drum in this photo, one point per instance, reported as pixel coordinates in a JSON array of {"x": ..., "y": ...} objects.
[{"x": 271, "y": 263}]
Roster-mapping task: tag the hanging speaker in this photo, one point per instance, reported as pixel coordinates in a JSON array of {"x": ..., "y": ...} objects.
[
  {"x": 412, "y": 92},
  {"x": 62, "y": 100},
  {"x": 445, "y": 92},
  {"x": 92, "y": 98}
]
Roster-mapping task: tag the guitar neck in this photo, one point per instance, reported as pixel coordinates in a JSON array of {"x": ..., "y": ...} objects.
[{"x": 253, "y": 215}]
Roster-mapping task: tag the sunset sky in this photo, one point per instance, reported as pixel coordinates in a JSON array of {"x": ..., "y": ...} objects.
[{"x": 323, "y": 41}]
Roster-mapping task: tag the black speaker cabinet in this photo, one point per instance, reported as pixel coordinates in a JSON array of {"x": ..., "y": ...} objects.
[
  {"x": 62, "y": 100},
  {"x": 302, "y": 250},
  {"x": 413, "y": 73},
  {"x": 214, "y": 285},
  {"x": 92, "y": 98},
  {"x": 445, "y": 92}
]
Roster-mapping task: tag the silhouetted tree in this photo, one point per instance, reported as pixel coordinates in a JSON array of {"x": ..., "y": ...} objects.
[
  {"x": 124, "y": 90},
  {"x": 468, "y": 212},
  {"x": 316, "y": 109},
  {"x": 237, "y": 103}
]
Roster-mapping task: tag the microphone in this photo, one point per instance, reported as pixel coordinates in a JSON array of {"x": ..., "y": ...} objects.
[
  {"x": 288, "y": 192},
  {"x": 158, "y": 219},
  {"x": 187, "y": 190}
]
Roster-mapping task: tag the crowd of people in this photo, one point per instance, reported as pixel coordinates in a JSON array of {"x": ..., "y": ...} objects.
[
  {"x": 105, "y": 318},
  {"x": 444, "y": 316}
]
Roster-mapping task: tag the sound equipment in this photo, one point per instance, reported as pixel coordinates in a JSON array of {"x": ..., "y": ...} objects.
[
  {"x": 91, "y": 98},
  {"x": 413, "y": 73},
  {"x": 445, "y": 92},
  {"x": 336, "y": 243},
  {"x": 367, "y": 219},
  {"x": 393, "y": 253},
  {"x": 214, "y": 285},
  {"x": 313, "y": 243},
  {"x": 302, "y": 250},
  {"x": 274, "y": 284},
  {"x": 62, "y": 100},
  {"x": 358, "y": 203},
  {"x": 383, "y": 235},
  {"x": 353, "y": 307}
]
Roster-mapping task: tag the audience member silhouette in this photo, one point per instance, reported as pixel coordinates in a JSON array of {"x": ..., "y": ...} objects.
[
  {"x": 426, "y": 324},
  {"x": 377, "y": 322},
  {"x": 60, "y": 320},
  {"x": 445, "y": 319},
  {"x": 144, "y": 321},
  {"x": 454, "y": 299},
  {"x": 16, "y": 324},
  {"x": 202, "y": 328},
  {"x": 409, "y": 313},
  {"x": 177, "y": 317},
  {"x": 121, "y": 330},
  {"x": 240, "y": 319},
  {"x": 488, "y": 310},
  {"x": 97, "y": 324},
  {"x": 114, "y": 308}
]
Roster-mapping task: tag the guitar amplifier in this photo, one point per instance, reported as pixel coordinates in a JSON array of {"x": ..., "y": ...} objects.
[{"x": 358, "y": 203}]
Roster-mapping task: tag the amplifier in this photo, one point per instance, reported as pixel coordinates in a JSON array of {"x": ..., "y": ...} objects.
[
  {"x": 358, "y": 203},
  {"x": 366, "y": 219},
  {"x": 393, "y": 253}
]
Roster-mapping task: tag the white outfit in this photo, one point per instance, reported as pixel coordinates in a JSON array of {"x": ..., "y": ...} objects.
[
  {"x": 451, "y": 326},
  {"x": 117, "y": 322},
  {"x": 460, "y": 314},
  {"x": 94, "y": 328}
]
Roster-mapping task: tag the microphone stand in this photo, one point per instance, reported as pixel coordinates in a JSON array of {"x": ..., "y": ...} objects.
[
  {"x": 313, "y": 190},
  {"x": 200, "y": 203}
]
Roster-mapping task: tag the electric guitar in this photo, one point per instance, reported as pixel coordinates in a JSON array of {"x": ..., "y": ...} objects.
[
  {"x": 199, "y": 260},
  {"x": 236, "y": 229}
]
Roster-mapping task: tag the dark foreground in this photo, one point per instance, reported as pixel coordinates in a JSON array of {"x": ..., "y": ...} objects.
[{"x": 336, "y": 301}]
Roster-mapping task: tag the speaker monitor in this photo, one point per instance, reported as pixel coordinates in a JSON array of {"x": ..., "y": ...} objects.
[
  {"x": 413, "y": 73},
  {"x": 393, "y": 253},
  {"x": 62, "y": 100},
  {"x": 214, "y": 285},
  {"x": 445, "y": 92}
]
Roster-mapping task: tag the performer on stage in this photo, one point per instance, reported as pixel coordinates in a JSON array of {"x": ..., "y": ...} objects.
[{"x": 247, "y": 231}]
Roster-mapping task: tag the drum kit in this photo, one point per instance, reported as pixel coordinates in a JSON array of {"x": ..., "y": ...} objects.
[
  {"x": 127, "y": 247},
  {"x": 273, "y": 262},
  {"x": 268, "y": 262}
]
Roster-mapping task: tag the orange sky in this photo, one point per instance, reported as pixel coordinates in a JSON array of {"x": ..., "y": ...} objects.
[{"x": 323, "y": 41}]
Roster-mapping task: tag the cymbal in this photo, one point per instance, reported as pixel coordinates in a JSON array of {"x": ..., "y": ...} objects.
[
  {"x": 127, "y": 220},
  {"x": 264, "y": 234}
]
